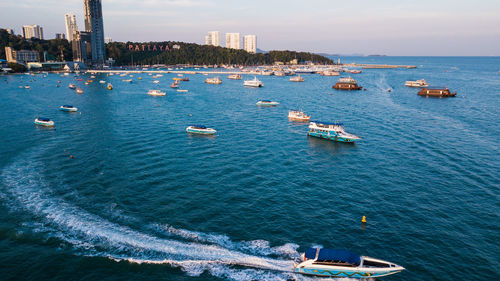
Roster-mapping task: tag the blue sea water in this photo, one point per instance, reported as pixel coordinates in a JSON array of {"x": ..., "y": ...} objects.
[{"x": 142, "y": 200}]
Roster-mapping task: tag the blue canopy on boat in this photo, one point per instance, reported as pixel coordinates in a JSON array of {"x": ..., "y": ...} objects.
[
  {"x": 335, "y": 255},
  {"x": 327, "y": 123}
]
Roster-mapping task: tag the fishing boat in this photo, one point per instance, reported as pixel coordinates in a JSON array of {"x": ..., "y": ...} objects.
[
  {"x": 256, "y": 83},
  {"x": 202, "y": 130},
  {"x": 343, "y": 263},
  {"x": 46, "y": 122},
  {"x": 298, "y": 115},
  {"x": 156, "y": 93},
  {"x": 297, "y": 78},
  {"x": 234, "y": 77},
  {"x": 79, "y": 90},
  {"x": 347, "y": 84},
  {"x": 213, "y": 80},
  {"x": 436, "y": 92},
  {"x": 109, "y": 86},
  {"x": 68, "y": 108},
  {"x": 72, "y": 86},
  {"x": 330, "y": 131},
  {"x": 418, "y": 83},
  {"x": 267, "y": 103}
]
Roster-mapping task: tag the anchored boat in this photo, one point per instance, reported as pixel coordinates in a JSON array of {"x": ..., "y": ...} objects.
[
  {"x": 202, "y": 130},
  {"x": 79, "y": 90},
  {"x": 267, "y": 103},
  {"x": 418, "y": 83},
  {"x": 72, "y": 86},
  {"x": 256, "y": 83},
  {"x": 156, "y": 93},
  {"x": 436, "y": 92},
  {"x": 213, "y": 80},
  {"x": 234, "y": 77},
  {"x": 46, "y": 122},
  {"x": 297, "y": 115},
  {"x": 297, "y": 78},
  {"x": 347, "y": 84},
  {"x": 110, "y": 86},
  {"x": 68, "y": 108},
  {"x": 343, "y": 263},
  {"x": 330, "y": 131}
]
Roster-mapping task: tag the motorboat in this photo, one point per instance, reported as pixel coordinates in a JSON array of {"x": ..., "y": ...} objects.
[
  {"x": 256, "y": 83},
  {"x": 156, "y": 93},
  {"x": 79, "y": 90},
  {"x": 330, "y": 73},
  {"x": 182, "y": 91},
  {"x": 213, "y": 80},
  {"x": 27, "y": 87},
  {"x": 234, "y": 77},
  {"x": 343, "y": 263},
  {"x": 156, "y": 81},
  {"x": 127, "y": 80},
  {"x": 109, "y": 86},
  {"x": 418, "y": 83},
  {"x": 347, "y": 83},
  {"x": 436, "y": 92},
  {"x": 68, "y": 108},
  {"x": 267, "y": 103},
  {"x": 102, "y": 82},
  {"x": 297, "y": 78},
  {"x": 46, "y": 122},
  {"x": 174, "y": 85},
  {"x": 331, "y": 131},
  {"x": 202, "y": 130},
  {"x": 72, "y": 86},
  {"x": 298, "y": 115}
]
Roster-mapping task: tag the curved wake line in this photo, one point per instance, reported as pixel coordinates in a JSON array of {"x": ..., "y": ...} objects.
[{"x": 25, "y": 190}]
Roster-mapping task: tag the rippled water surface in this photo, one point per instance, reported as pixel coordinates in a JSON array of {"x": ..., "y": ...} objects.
[{"x": 142, "y": 200}]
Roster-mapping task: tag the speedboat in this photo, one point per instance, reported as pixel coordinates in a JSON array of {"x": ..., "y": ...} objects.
[
  {"x": 79, "y": 90},
  {"x": 174, "y": 85},
  {"x": 202, "y": 130},
  {"x": 297, "y": 115},
  {"x": 234, "y": 77},
  {"x": 182, "y": 91},
  {"x": 156, "y": 93},
  {"x": 72, "y": 86},
  {"x": 46, "y": 122},
  {"x": 156, "y": 81},
  {"x": 343, "y": 263},
  {"x": 68, "y": 108},
  {"x": 297, "y": 78},
  {"x": 102, "y": 82},
  {"x": 127, "y": 80},
  {"x": 110, "y": 86},
  {"x": 267, "y": 103},
  {"x": 418, "y": 83},
  {"x": 253, "y": 83},
  {"x": 330, "y": 131},
  {"x": 214, "y": 80}
]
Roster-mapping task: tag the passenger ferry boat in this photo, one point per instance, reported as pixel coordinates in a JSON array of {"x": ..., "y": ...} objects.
[
  {"x": 267, "y": 103},
  {"x": 256, "y": 83},
  {"x": 330, "y": 131},
  {"x": 436, "y": 92},
  {"x": 418, "y": 83},
  {"x": 297, "y": 115},
  {"x": 79, "y": 90},
  {"x": 330, "y": 73},
  {"x": 347, "y": 84},
  {"x": 213, "y": 80},
  {"x": 156, "y": 93},
  {"x": 72, "y": 86},
  {"x": 343, "y": 263},
  {"x": 110, "y": 86},
  {"x": 46, "y": 122},
  {"x": 68, "y": 108},
  {"x": 202, "y": 130},
  {"x": 297, "y": 78},
  {"x": 234, "y": 77}
]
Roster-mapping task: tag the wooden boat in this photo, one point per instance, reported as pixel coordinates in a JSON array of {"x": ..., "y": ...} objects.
[
  {"x": 234, "y": 77},
  {"x": 347, "y": 84},
  {"x": 436, "y": 92}
]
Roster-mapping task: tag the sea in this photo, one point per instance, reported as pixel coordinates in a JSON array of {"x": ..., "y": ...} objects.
[{"x": 120, "y": 191}]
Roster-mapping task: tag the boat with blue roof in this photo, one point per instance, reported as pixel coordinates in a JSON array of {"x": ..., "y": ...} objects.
[
  {"x": 46, "y": 122},
  {"x": 201, "y": 130},
  {"x": 343, "y": 263},
  {"x": 331, "y": 131},
  {"x": 68, "y": 108}
]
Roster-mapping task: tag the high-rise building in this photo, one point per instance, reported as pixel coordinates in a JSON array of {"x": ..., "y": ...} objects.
[
  {"x": 81, "y": 46},
  {"x": 60, "y": 36},
  {"x": 71, "y": 25},
  {"x": 213, "y": 38},
  {"x": 94, "y": 25},
  {"x": 233, "y": 40},
  {"x": 22, "y": 56},
  {"x": 250, "y": 43},
  {"x": 32, "y": 31}
]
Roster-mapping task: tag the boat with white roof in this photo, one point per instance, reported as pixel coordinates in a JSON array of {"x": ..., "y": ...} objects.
[
  {"x": 298, "y": 115},
  {"x": 256, "y": 83},
  {"x": 330, "y": 131},
  {"x": 68, "y": 108},
  {"x": 213, "y": 81},
  {"x": 267, "y": 103},
  {"x": 199, "y": 129},
  {"x": 234, "y": 77},
  {"x": 156, "y": 93},
  {"x": 46, "y": 122},
  {"x": 297, "y": 78},
  {"x": 418, "y": 83}
]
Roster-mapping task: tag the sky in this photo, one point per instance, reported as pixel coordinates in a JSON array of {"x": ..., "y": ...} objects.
[{"x": 388, "y": 27}]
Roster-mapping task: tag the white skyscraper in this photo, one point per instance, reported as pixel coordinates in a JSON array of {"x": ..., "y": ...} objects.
[
  {"x": 71, "y": 26},
  {"x": 32, "y": 31},
  {"x": 233, "y": 40},
  {"x": 213, "y": 38},
  {"x": 250, "y": 43}
]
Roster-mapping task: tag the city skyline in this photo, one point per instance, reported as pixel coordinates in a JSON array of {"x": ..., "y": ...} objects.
[{"x": 387, "y": 27}]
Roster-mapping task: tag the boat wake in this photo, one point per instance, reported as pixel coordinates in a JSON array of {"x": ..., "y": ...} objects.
[{"x": 24, "y": 190}]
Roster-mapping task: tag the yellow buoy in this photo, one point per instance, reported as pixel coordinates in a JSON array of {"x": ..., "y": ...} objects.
[{"x": 363, "y": 220}]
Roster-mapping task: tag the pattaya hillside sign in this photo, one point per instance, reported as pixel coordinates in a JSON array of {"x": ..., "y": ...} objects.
[{"x": 151, "y": 48}]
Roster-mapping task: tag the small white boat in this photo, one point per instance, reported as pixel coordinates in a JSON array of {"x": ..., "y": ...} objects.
[
  {"x": 297, "y": 115},
  {"x": 79, "y": 90},
  {"x": 127, "y": 80},
  {"x": 256, "y": 83},
  {"x": 418, "y": 83},
  {"x": 68, "y": 108},
  {"x": 343, "y": 263},
  {"x": 72, "y": 86},
  {"x": 156, "y": 93},
  {"x": 213, "y": 80},
  {"x": 102, "y": 82},
  {"x": 297, "y": 78},
  {"x": 46, "y": 122},
  {"x": 267, "y": 103},
  {"x": 182, "y": 91},
  {"x": 234, "y": 77},
  {"x": 156, "y": 81},
  {"x": 330, "y": 73},
  {"x": 202, "y": 130},
  {"x": 27, "y": 87}
]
